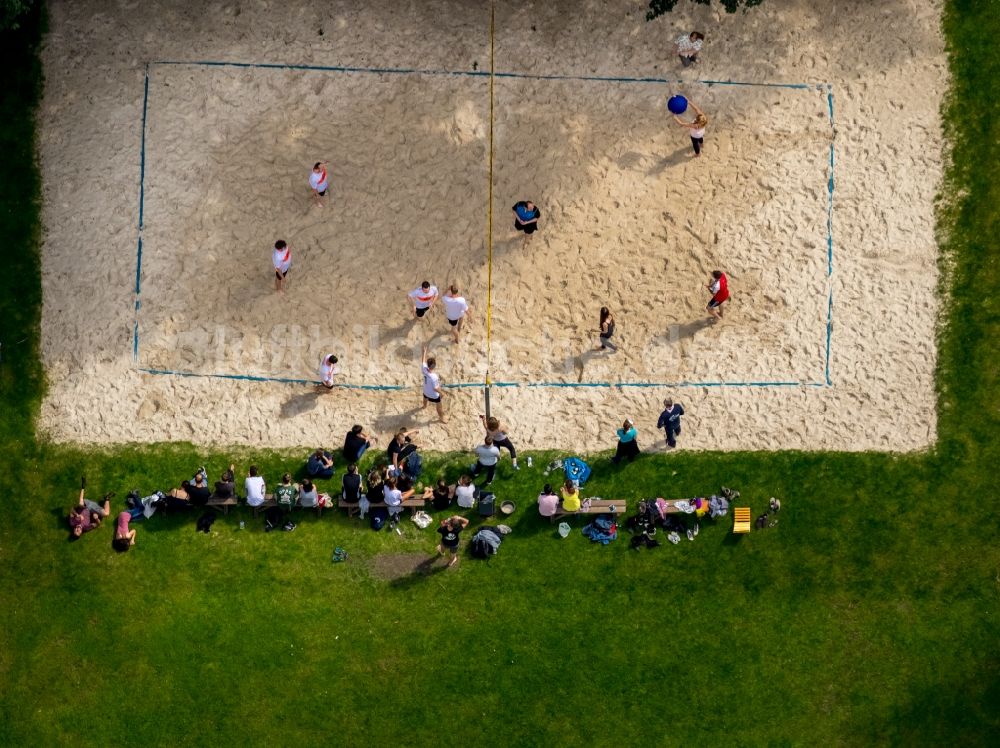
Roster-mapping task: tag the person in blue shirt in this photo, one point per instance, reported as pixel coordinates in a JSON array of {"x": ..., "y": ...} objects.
[
  {"x": 628, "y": 447},
  {"x": 670, "y": 421},
  {"x": 526, "y": 215}
]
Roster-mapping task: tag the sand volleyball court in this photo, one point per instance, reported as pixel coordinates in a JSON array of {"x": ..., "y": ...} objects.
[{"x": 829, "y": 339}]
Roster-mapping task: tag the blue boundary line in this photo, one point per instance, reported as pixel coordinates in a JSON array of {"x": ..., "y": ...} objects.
[
  {"x": 462, "y": 385},
  {"x": 477, "y": 74},
  {"x": 472, "y": 73}
]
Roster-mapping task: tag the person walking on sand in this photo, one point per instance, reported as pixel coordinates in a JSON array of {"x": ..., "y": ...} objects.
[
  {"x": 281, "y": 258},
  {"x": 455, "y": 309},
  {"x": 687, "y": 47},
  {"x": 607, "y": 329},
  {"x": 670, "y": 421},
  {"x": 319, "y": 181},
  {"x": 718, "y": 286},
  {"x": 328, "y": 369},
  {"x": 432, "y": 384},
  {"x": 526, "y": 215},
  {"x": 450, "y": 529},
  {"x": 696, "y": 129},
  {"x": 422, "y": 299}
]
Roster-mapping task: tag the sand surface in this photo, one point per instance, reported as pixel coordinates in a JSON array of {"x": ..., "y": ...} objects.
[{"x": 628, "y": 221}]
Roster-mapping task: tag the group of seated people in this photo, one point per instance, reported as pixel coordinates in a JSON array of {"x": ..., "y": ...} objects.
[{"x": 568, "y": 499}]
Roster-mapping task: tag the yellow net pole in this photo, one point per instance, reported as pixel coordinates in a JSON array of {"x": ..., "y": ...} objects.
[{"x": 489, "y": 215}]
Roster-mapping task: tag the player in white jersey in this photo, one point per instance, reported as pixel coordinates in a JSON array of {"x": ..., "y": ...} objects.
[
  {"x": 422, "y": 299},
  {"x": 281, "y": 258},
  {"x": 432, "y": 384},
  {"x": 328, "y": 369},
  {"x": 455, "y": 309},
  {"x": 319, "y": 181}
]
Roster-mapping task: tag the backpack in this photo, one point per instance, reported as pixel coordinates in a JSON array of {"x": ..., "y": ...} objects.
[
  {"x": 378, "y": 517},
  {"x": 272, "y": 518},
  {"x": 487, "y": 505},
  {"x": 205, "y": 522},
  {"x": 576, "y": 470},
  {"x": 485, "y": 543},
  {"x": 413, "y": 465},
  {"x": 762, "y": 521}
]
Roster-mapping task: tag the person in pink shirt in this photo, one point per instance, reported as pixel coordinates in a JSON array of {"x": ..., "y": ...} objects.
[
  {"x": 548, "y": 501},
  {"x": 124, "y": 537}
]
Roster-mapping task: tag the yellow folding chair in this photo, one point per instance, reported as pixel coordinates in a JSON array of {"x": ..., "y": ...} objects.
[{"x": 741, "y": 519}]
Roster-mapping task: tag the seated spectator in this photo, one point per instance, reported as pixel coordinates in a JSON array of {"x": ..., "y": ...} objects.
[
  {"x": 394, "y": 497},
  {"x": 548, "y": 502},
  {"x": 400, "y": 447},
  {"x": 351, "y": 492},
  {"x": 404, "y": 482},
  {"x": 356, "y": 443},
  {"x": 570, "y": 497},
  {"x": 286, "y": 493},
  {"x": 124, "y": 537},
  {"x": 440, "y": 495},
  {"x": 225, "y": 487},
  {"x": 86, "y": 515},
  {"x": 375, "y": 483},
  {"x": 465, "y": 492},
  {"x": 176, "y": 499},
  {"x": 198, "y": 491},
  {"x": 254, "y": 487},
  {"x": 627, "y": 447},
  {"x": 320, "y": 465},
  {"x": 308, "y": 495}
]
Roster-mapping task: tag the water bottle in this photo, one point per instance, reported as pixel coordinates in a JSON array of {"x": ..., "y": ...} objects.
[
  {"x": 242, "y": 524},
  {"x": 530, "y": 462}
]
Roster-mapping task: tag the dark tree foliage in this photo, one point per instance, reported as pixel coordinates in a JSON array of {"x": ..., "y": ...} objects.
[
  {"x": 659, "y": 7},
  {"x": 11, "y": 12}
]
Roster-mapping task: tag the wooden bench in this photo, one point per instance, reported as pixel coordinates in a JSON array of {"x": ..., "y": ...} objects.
[
  {"x": 268, "y": 503},
  {"x": 601, "y": 506},
  {"x": 596, "y": 506},
  {"x": 413, "y": 504},
  {"x": 224, "y": 503}
]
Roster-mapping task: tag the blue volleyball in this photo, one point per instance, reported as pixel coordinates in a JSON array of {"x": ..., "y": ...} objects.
[{"x": 677, "y": 104}]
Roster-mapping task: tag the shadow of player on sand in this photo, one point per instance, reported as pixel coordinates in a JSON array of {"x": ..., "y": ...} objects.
[
  {"x": 674, "y": 159},
  {"x": 579, "y": 361},
  {"x": 300, "y": 403},
  {"x": 688, "y": 329}
]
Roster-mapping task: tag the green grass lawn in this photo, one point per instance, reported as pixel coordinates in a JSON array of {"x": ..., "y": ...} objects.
[{"x": 868, "y": 615}]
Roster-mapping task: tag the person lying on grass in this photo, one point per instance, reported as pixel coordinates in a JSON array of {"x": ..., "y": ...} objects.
[{"x": 86, "y": 515}]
